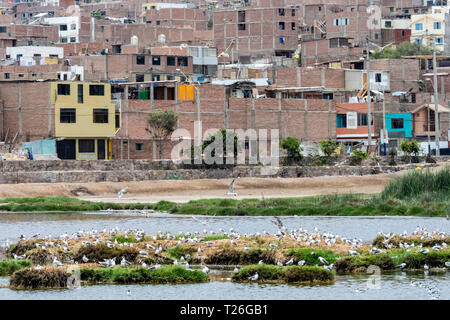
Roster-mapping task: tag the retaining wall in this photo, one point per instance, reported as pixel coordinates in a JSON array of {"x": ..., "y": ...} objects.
[{"x": 51, "y": 171}]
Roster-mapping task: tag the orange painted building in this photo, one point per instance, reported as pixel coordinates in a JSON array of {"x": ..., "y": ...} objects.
[{"x": 351, "y": 121}]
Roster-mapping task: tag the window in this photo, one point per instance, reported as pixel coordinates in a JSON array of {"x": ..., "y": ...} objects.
[
  {"x": 19, "y": 56},
  {"x": 341, "y": 21},
  {"x": 156, "y": 77},
  {"x": 36, "y": 55},
  {"x": 362, "y": 119},
  {"x": 86, "y": 145},
  {"x": 293, "y": 26},
  {"x": 156, "y": 60},
  {"x": 100, "y": 116},
  {"x": 170, "y": 61},
  {"x": 338, "y": 42},
  {"x": 67, "y": 116},
  {"x": 341, "y": 121},
  {"x": 376, "y": 36},
  {"x": 281, "y": 40},
  {"x": 73, "y": 39},
  {"x": 158, "y": 22},
  {"x": 139, "y": 146},
  {"x": 63, "y": 27},
  {"x": 63, "y": 89},
  {"x": 80, "y": 93},
  {"x": 293, "y": 12},
  {"x": 96, "y": 90},
  {"x": 2, "y": 29},
  {"x": 439, "y": 41},
  {"x": 73, "y": 26},
  {"x": 377, "y": 77},
  {"x": 388, "y": 24},
  {"x": 117, "y": 118},
  {"x": 63, "y": 40},
  {"x": 281, "y": 25},
  {"x": 140, "y": 59},
  {"x": 21, "y": 75},
  {"x": 436, "y": 25},
  {"x": 182, "y": 61},
  {"x": 139, "y": 78},
  {"x": 397, "y": 123},
  {"x": 241, "y": 26},
  {"x": 7, "y": 75},
  {"x": 419, "y": 26},
  {"x": 281, "y": 12},
  {"x": 403, "y": 33},
  {"x": 419, "y": 41},
  {"x": 102, "y": 28}
]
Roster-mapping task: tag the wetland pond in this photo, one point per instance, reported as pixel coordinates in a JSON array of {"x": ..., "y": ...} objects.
[{"x": 396, "y": 285}]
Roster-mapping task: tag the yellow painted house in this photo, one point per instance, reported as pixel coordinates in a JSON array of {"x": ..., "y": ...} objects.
[
  {"x": 84, "y": 119},
  {"x": 423, "y": 26}
]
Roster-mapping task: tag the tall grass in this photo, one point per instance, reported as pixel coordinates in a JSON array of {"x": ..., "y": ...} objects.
[
  {"x": 420, "y": 185},
  {"x": 8, "y": 267}
]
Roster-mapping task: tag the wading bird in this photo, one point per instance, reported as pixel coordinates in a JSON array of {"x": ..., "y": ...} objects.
[
  {"x": 231, "y": 189},
  {"x": 254, "y": 277}
]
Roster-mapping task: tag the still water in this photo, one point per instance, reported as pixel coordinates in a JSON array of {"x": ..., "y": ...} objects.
[{"x": 398, "y": 285}]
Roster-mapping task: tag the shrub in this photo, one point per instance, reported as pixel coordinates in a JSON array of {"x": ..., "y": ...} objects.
[
  {"x": 293, "y": 149},
  {"x": 359, "y": 155},
  {"x": 328, "y": 147}
]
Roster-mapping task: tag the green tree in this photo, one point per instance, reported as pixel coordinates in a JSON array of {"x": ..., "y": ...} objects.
[
  {"x": 226, "y": 135},
  {"x": 328, "y": 147},
  {"x": 410, "y": 147},
  {"x": 403, "y": 49},
  {"x": 293, "y": 148},
  {"x": 161, "y": 124}
]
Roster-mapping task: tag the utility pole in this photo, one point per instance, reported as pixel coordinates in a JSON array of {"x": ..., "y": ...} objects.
[
  {"x": 436, "y": 111},
  {"x": 369, "y": 116}
]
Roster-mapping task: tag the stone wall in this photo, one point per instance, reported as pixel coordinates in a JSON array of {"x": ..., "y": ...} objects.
[{"x": 50, "y": 171}]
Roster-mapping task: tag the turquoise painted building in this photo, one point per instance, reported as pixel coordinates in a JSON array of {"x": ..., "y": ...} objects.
[{"x": 399, "y": 125}]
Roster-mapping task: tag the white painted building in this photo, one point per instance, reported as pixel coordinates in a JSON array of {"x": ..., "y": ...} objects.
[
  {"x": 68, "y": 28},
  {"x": 26, "y": 55}
]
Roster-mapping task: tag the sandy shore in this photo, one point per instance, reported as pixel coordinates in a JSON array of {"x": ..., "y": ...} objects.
[{"x": 185, "y": 190}]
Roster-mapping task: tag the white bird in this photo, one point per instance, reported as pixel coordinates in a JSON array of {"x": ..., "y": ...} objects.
[
  {"x": 425, "y": 251},
  {"x": 353, "y": 253},
  {"x": 143, "y": 253},
  {"x": 56, "y": 263},
  {"x": 206, "y": 270},
  {"x": 291, "y": 261},
  {"x": 323, "y": 260},
  {"x": 401, "y": 266},
  {"x": 273, "y": 245},
  {"x": 301, "y": 262},
  {"x": 124, "y": 262},
  {"x": 129, "y": 292},
  {"x": 200, "y": 249},
  {"x": 233, "y": 242},
  {"x": 246, "y": 249},
  {"x": 175, "y": 262},
  {"x": 231, "y": 190},
  {"x": 85, "y": 259},
  {"x": 254, "y": 277},
  {"x": 279, "y": 263},
  {"x": 260, "y": 262},
  {"x": 426, "y": 267},
  {"x": 16, "y": 257},
  {"x": 236, "y": 269},
  {"x": 38, "y": 267},
  {"x": 121, "y": 192}
]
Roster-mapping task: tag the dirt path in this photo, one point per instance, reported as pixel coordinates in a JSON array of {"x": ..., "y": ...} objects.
[{"x": 185, "y": 190}]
